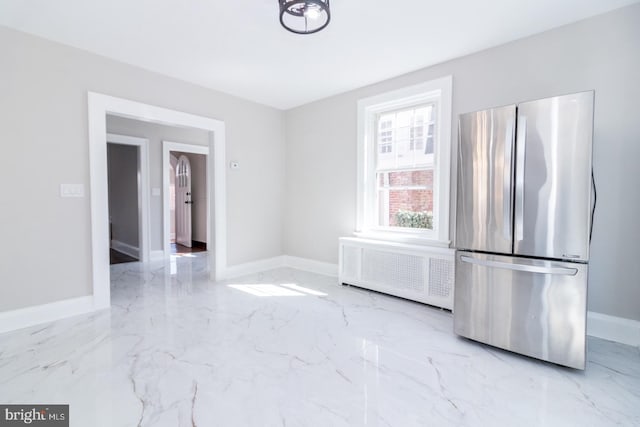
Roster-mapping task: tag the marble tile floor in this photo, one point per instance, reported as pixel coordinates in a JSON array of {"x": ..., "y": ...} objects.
[{"x": 290, "y": 348}]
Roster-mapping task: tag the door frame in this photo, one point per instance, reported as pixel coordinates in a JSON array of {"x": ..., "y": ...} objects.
[
  {"x": 99, "y": 105},
  {"x": 143, "y": 188},
  {"x": 167, "y": 148}
]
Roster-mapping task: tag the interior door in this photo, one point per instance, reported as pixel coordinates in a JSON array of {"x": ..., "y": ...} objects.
[
  {"x": 553, "y": 177},
  {"x": 485, "y": 176},
  {"x": 183, "y": 201}
]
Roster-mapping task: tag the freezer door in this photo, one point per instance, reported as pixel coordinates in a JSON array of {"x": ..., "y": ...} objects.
[
  {"x": 485, "y": 177},
  {"x": 529, "y": 306},
  {"x": 553, "y": 177}
]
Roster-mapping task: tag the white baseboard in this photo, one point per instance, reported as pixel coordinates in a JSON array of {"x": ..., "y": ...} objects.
[
  {"x": 311, "y": 265},
  {"x": 30, "y": 316},
  {"x": 156, "y": 255},
  {"x": 125, "y": 248},
  {"x": 618, "y": 329},
  {"x": 252, "y": 267},
  {"x": 281, "y": 261}
]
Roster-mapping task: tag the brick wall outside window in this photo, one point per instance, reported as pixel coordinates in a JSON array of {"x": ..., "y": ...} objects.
[{"x": 407, "y": 199}]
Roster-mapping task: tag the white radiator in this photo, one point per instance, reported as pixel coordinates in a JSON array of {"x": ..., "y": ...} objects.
[{"x": 418, "y": 273}]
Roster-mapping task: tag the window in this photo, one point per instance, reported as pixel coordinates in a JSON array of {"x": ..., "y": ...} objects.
[{"x": 404, "y": 163}]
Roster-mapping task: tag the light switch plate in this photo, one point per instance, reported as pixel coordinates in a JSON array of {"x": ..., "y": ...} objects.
[
  {"x": 234, "y": 165},
  {"x": 155, "y": 191},
  {"x": 71, "y": 190}
]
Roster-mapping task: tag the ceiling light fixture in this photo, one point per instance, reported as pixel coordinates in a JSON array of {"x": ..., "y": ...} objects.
[{"x": 304, "y": 16}]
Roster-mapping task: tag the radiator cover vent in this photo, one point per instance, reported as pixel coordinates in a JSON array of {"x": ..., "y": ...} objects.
[
  {"x": 440, "y": 277},
  {"x": 398, "y": 270},
  {"x": 414, "y": 272}
]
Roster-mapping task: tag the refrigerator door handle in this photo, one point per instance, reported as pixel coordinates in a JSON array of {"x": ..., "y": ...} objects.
[
  {"x": 520, "y": 267},
  {"x": 521, "y": 141},
  {"x": 506, "y": 182}
]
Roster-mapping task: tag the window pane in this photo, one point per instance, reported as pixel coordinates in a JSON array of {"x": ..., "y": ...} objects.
[
  {"x": 405, "y": 199},
  {"x": 417, "y": 138},
  {"x": 405, "y": 138},
  {"x": 429, "y": 147}
]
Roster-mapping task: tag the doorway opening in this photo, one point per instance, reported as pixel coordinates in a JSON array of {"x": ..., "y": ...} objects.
[
  {"x": 186, "y": 207},
  {"x": 127, "y": 174},
  {"x": 122, "y": 165},
  {"x": 99, "y": 107}
]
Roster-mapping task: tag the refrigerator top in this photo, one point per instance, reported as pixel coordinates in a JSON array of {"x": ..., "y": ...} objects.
[
  {"x": 524, "y": 178},
  {"x": 590, "y": 91}
]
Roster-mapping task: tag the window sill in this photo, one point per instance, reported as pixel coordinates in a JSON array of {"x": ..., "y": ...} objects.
[{"x": 399, "y": 237}]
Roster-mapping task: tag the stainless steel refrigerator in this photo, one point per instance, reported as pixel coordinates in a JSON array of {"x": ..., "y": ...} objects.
[{"x": 525, "y": 202}]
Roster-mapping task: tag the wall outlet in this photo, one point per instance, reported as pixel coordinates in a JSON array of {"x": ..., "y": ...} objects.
[
  {"x": 234, "y": 165},
  {"x": 71, "y": 190}
]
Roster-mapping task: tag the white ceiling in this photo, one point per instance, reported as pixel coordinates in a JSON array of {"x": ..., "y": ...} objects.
[{"x": 239, "y": 47}]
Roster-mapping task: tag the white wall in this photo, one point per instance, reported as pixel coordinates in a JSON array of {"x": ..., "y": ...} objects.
[
  {"x": 602, "y": 53},
  {"x": 156, "y": 133},
  {"x": 43, "y": 113},
  {"x": 122, "y": 164}
]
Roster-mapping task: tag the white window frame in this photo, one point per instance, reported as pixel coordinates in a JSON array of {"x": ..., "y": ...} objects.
[{"x": 441, "y": 91}]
